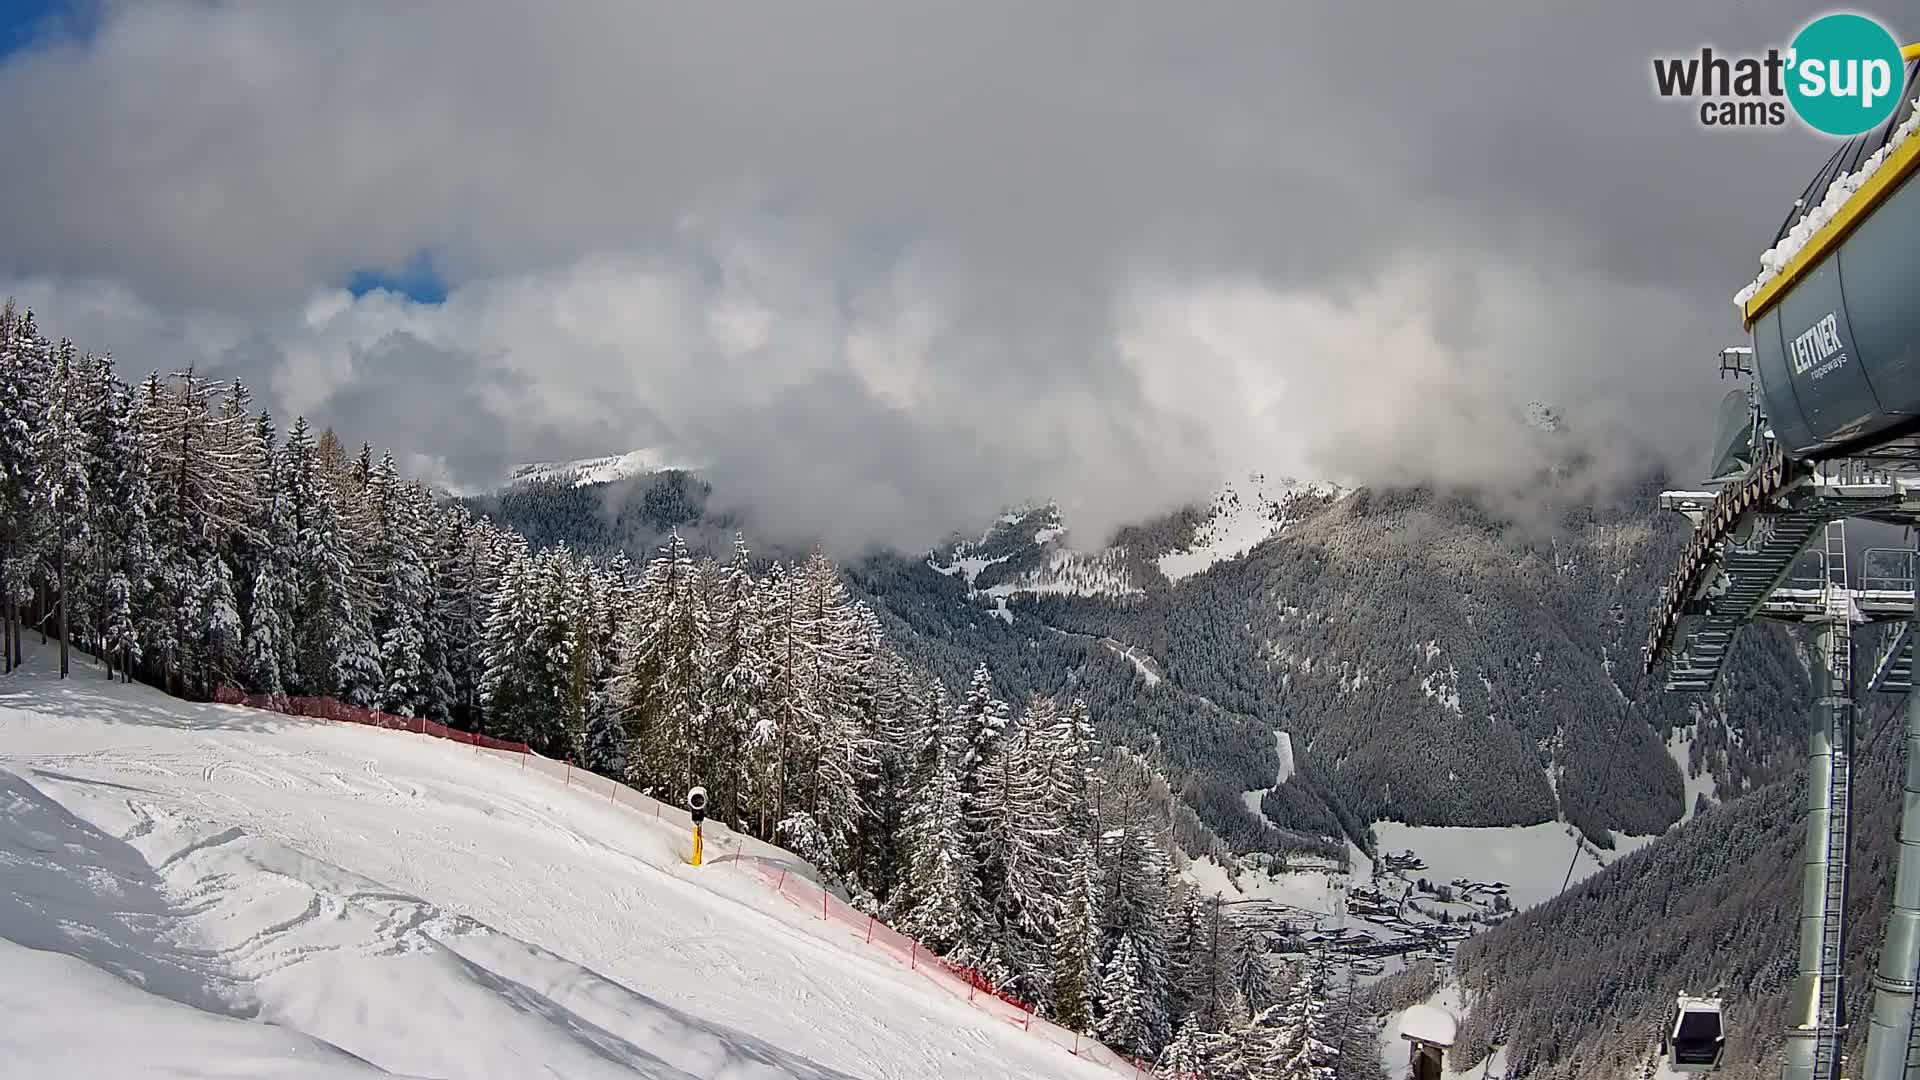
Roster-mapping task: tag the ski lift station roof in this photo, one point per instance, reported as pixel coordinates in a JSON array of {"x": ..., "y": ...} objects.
[
  {"x": 1836, "y": 334},
  {"x": 1826, "y": 229},
  {"x": 1429, "y": 1024}
]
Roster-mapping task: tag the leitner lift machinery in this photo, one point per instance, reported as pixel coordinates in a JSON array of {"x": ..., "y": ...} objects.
[{"x": 1827, "y": 428}]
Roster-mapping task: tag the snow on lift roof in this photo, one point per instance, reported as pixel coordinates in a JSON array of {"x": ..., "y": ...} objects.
[
  {"x": 1429, "y": 1024},
  {"x": 1845, "y": 173}
]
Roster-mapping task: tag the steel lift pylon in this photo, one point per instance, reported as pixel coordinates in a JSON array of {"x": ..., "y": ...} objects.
[{"x": 1741, "y": 568}]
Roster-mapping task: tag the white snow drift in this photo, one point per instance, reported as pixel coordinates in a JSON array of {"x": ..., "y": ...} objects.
[{"x": 210, "y": 891}]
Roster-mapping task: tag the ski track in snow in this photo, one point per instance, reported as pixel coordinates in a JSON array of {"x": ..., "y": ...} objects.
[{"x": 227, "y": 893}]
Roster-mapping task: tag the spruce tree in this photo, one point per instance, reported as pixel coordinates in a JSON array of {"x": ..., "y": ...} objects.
[
  {"x": 405, "y": 586},
  {"x": 67, "y": 501},
  {"x": 511, "y": 680},
  {"x": 25, "y": 376},
  {"x": 944, "y": 909},
  {"x": 121, "y": 551},
  {"x": 663, "y": 678},
  {"x": 1189, "y": 1056},
  {"x": 1133, "y": 911},
  {"x": 738, "y": 692},
  {"x": 1017, "y": 857}
]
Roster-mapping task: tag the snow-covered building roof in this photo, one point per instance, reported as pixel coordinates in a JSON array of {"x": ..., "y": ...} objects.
[{"x": 1429, "y": 1024}]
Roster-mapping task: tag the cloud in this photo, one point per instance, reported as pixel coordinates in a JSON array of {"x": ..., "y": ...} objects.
[{"x": 889, "y": 269}]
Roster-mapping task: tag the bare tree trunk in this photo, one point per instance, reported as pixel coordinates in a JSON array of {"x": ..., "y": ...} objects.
[
  {"x": 60, "y": 628},
  {"x": 41, "y": 609},
  {"x": 6, "y": 621}
]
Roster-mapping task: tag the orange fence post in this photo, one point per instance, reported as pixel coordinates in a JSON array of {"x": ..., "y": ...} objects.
[
  {"x": 869, "y": 929},
  {"x": 780, "y": 886},
  {"x": 825, "y": 896},
  {"x": 913, "y": 956}
]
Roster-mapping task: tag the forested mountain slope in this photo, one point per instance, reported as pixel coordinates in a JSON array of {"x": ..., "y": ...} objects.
[
  {"x": 1578, "y": 987},
  {"x": 943, "y": 626},
  {"x": 1439, "y": 664},
  {"x": 1434, "y": 661}
]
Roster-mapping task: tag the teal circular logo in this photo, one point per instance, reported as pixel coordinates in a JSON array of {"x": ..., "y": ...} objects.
[{"x": 1845, "y": 75}]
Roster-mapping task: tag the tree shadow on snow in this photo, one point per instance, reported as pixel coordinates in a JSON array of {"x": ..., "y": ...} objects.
[
  {"x": 717, "y": 1050},
  {"x": 70, "y": 888},
  {"x": 86, "y": 694}
]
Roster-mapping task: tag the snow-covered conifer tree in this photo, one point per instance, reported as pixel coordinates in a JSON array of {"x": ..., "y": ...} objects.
[
  {"x": 737, "y": 696},
  {"x": 663, "y": 679},
  {"x": 67, "y": 500},
  {"x": 1017, "y": 856},
  {"x": 943, "y": 907},
  {"x": 25, "y": 376}
]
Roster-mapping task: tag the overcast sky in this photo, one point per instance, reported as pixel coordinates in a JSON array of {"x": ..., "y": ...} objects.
[{"x": 887, "y": 267}]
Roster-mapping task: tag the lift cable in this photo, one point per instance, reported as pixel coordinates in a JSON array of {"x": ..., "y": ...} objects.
[{"x": 1606, "y": 774}]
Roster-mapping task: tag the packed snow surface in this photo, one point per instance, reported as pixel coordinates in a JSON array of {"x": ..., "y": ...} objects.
[
  {"x": 1242, "y": 516},
  {"x": 208, "y": 891},
  {"x": 601, "y": 470}
]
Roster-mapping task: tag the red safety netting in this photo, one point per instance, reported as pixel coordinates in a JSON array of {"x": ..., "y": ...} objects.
[
  {"x": 961, "y": 981},
  {"x": 329, "y": 709},
  {"x": 870, "y": 932}
]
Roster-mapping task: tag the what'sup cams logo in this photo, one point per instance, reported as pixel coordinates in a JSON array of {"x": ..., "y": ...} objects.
[{"x": 1842, "y": 75}]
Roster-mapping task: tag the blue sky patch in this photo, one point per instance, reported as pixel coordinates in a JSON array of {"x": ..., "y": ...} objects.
[
  {"x": 26, "y": 23},
  {"x": 417, "y": 280}
]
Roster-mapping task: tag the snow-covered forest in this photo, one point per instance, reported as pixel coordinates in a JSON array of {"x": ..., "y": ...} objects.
[{"x": 176, "y": 533}]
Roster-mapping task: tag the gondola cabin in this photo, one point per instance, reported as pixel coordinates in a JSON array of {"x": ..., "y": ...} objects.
[{"x": 1696, "y": 1039}]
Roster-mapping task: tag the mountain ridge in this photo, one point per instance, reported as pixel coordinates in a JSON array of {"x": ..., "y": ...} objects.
[{"x": 1372, "y": 623}]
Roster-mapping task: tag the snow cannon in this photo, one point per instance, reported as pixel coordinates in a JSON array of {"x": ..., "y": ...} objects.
[
  {"x": 697, "y": 806},
  {"x": 1430, "y": 1030},
  {"x": 1836, "y": 331}
]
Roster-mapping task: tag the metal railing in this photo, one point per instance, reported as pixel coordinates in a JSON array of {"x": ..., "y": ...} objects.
[{"x": 1886, "y": 570}]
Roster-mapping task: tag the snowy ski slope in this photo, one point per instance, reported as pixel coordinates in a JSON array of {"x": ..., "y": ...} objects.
[{"x": 200, "y": 890}]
